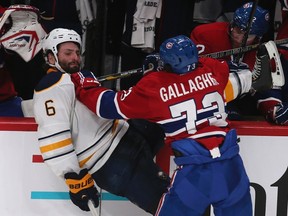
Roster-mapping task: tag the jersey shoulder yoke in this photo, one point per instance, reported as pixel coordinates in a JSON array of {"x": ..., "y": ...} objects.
[{"x": 49, "y": 80}]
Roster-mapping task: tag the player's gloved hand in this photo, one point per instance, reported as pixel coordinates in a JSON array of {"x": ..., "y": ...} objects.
[
  {"x": 279, "y": 114},
  {"x": 84, "y": 79},
  {"x": 152, "y": 62},
  {"x": 82, "y": 189},
  {"x": 235, "y": 67}
]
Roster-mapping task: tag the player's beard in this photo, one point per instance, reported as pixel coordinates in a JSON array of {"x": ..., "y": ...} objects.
[{"x": 71, "y": 67}]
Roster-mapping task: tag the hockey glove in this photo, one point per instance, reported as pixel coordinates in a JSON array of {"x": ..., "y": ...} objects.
[
  {"x": 279, "y": 114},
  {"x": 235, "y": 67},
  {"x": 82, "y": 189},
  {"x": 84, "y": 80},
  {"x": 152, "y": 62}
]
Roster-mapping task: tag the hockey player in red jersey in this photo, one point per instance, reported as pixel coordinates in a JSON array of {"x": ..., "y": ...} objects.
[
  {"x": 187, "y": 100},
  {"x": 220, "y": 36},
  {"x": 80, "y": 147}
]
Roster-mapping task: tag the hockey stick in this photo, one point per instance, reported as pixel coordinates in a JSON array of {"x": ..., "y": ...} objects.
[
  {"x": 240, "y": 49},
  {"x": 247, "y": 31},
  {"x": 119, "y": 75},
  {"x": 92, "y": 208},
  {"x": 219, "y": 54}
]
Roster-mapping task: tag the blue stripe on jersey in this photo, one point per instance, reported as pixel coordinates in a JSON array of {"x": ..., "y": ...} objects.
[
  {"x": 175, "y": 125},
  {"x": 207, "y": 114},
  {"x": 107, "y": 100},
  {"x": 171, "y": 127},
  {"x": 49, "y": 80}
]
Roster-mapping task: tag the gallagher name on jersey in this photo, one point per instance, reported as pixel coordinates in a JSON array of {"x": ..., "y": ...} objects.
[{"x": 178, "y": 89}]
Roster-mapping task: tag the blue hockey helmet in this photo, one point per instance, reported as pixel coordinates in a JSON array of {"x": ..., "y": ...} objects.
[
  {"x": 260, "y": 23},
  {"x": 180, "y": 53}
]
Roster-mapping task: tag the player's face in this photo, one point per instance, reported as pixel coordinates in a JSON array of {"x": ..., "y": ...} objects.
[
  {"x": 69, "y": 57},
  {"x": 237, "y": 36}
]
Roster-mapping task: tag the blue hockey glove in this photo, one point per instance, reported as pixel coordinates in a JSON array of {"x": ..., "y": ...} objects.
[
  {"x": 152, "y": 62},
  {"x": 82, "y": 189},
  {"x": 235, "y": 67},
  {"x": 281, "y": 113}
]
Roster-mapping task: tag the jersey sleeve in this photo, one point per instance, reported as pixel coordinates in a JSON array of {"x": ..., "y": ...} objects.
[
  {"x": 54, "y": 100},
  {"x": 132, "y": 103}
]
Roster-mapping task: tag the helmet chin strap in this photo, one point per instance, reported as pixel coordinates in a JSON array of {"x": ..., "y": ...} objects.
[
  {"x": 56, "y": 65},
  {"x": 59, "y": 67}
]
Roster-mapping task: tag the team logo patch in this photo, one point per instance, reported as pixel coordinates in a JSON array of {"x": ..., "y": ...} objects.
[
  {"x": 169, "y": 45},
  {"x": 247, "y": 5}
]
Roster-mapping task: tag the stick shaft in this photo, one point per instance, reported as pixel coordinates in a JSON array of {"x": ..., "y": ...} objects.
[
  {"x": 249, "y": 25},
  {"x": 229, "y": 52},
  {"x": 93, "y": 210},
  {"x": 119, "y": 75},
  {"x": 219, "y": 54}
]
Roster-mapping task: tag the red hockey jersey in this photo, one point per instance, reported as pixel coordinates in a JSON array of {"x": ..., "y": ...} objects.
[
  {"x": 214, "y": 37},
  {"x": 190, "y": 105}
]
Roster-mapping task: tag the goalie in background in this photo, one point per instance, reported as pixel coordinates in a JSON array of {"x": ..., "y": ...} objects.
[
  {"x": 20, "y": 36},
  {"x": 220, "y": 36},
  {"x": 10, "y": 103}
]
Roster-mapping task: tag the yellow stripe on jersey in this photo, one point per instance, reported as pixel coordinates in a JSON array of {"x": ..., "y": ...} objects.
[
  {"x": 115, "y": 124},
  {"x": 229, "y": 92},
  {"x": 57, "y": 145},
  {"x": 114, "y": 129},
  {"x": 83, "y": 162}
]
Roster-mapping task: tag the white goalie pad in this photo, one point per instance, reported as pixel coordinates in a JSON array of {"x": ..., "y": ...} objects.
[
  {"x": 24, "y": 34},
  {"x": 278, "y": 78}
]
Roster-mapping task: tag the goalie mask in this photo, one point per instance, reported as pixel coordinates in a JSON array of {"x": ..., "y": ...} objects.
[
  {"x": 260, "y": 23},
  {"x": 56, "y": 37},
  {"x": 179, "y": 53},
  {"x": 21, "y": 32}
]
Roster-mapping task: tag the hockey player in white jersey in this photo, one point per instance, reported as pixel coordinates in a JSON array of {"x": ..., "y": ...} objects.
[{"x": 82, "y": 148}]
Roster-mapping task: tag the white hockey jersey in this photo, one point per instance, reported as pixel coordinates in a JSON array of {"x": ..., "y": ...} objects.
[{"x": 70, "y": 136}]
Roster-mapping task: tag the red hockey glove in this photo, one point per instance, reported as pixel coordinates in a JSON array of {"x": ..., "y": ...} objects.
[
  {"x": 82, "y": 189},
  {"x": 84, "y": 79}
]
